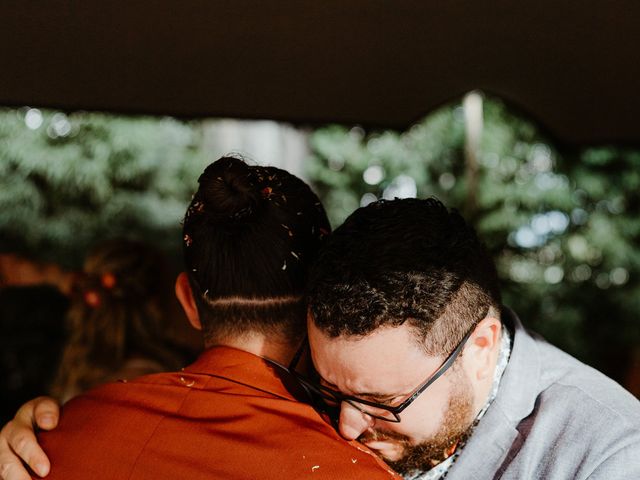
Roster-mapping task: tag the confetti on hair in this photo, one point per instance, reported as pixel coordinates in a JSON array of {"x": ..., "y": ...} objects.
[
  {"x": 288, "y": 229},
  {"x": 243, "y": 212},
  {"x": 284, "y": 265},
  {"x": 266, "y": 192},
  {"x": 295, "y": 255},
  {"x": 195, "y": 207},
  {"x": 187, "y": 240}
]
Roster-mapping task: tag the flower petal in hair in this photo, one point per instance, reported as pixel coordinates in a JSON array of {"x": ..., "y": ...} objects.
[
  {"x": 92, "y": 298},
  {"x": 242, "y": 213},
  {"x": 108, "y": 280},
  {"x": 286, "y": 227}
]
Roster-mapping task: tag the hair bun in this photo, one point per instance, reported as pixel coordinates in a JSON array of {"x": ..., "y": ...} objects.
[{"x": 227, "y": 191}]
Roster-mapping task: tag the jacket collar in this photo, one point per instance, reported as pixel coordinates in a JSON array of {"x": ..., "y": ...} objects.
[{"x": 521, "y": 381}]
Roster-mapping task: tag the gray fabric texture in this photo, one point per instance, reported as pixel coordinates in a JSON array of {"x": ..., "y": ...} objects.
[{"x": 553, "y": 418}]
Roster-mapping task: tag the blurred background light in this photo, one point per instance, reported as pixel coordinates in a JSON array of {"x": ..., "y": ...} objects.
[
  {"x": 33, "y": 118},
  {"x": 403, "y": 186},
  {"x": 373, "y": 175}
]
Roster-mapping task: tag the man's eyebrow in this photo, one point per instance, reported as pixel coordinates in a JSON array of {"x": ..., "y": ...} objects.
[
  {"x": 373, "y": 396},
  {"x": 376, "y": 395},
  {"x": 364, "y": 395}
]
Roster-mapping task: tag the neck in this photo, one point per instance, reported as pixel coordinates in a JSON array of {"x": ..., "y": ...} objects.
[{"x": 272, "y": 346}]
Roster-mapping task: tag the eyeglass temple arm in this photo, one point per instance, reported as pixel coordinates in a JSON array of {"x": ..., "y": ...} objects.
[
  {"x": 298, "y": 354},
  {"x": 443, "y": 368}
]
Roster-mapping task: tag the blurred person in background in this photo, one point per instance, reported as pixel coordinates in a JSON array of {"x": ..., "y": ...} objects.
[{"x": 118, "y": 318}]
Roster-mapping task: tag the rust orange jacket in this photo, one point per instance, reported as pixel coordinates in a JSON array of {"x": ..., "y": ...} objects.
[{"x": 230, "y": 415}]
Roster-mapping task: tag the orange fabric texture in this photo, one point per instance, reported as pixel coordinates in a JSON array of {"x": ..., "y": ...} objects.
[{"x": 230, "y": 415}]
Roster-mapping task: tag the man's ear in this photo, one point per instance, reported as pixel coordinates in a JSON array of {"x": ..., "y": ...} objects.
[
  {"x": 185, "y": 297},
  {"x": 485, "y": 344}
]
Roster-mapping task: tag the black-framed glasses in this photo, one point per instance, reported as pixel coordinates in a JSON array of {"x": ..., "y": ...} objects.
[{"x": 333, "y": 398}]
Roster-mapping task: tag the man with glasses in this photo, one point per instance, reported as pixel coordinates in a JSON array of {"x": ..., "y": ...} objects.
[{"x": 421, "y": 363}]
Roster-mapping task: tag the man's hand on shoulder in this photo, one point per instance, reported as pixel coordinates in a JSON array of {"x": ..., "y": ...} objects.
[{"x": 18, "y": 441}]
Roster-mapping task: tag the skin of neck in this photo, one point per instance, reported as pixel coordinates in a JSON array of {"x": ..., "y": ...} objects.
[{"x": 272, "y": 346}]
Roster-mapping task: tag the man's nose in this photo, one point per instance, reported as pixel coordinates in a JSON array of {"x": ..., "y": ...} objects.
[{"x": 353, "y": 422}]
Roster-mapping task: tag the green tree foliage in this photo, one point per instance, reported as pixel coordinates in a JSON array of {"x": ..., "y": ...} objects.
[
  {"x": 564, "y": 229},
  {"x": 67, "y": 181}
]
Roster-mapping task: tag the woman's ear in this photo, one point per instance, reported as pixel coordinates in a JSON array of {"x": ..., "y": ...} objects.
[{"x": 185, "y": 297}]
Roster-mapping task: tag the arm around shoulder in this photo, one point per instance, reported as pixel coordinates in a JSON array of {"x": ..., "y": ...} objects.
[{"x": 18, "y": 442}]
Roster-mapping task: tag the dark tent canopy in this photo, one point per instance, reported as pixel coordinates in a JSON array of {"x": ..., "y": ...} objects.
[{"x": 573, "y": 66}]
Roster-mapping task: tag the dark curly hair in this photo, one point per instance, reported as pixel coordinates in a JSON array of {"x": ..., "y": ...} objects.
[
  {"x": 403, "y": 261},
  {"x": 250, "y": 236}
]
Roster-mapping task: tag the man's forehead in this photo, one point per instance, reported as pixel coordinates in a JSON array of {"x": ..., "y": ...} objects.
[
  {"x": 385, "y": 359},
  {"x": 388, "y": 337}
]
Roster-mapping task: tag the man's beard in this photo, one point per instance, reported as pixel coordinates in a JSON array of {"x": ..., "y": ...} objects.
[{"x": 455, "y": 428}]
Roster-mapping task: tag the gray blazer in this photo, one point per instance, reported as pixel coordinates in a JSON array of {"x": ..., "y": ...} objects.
[{"x": 553, "y": 418}]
